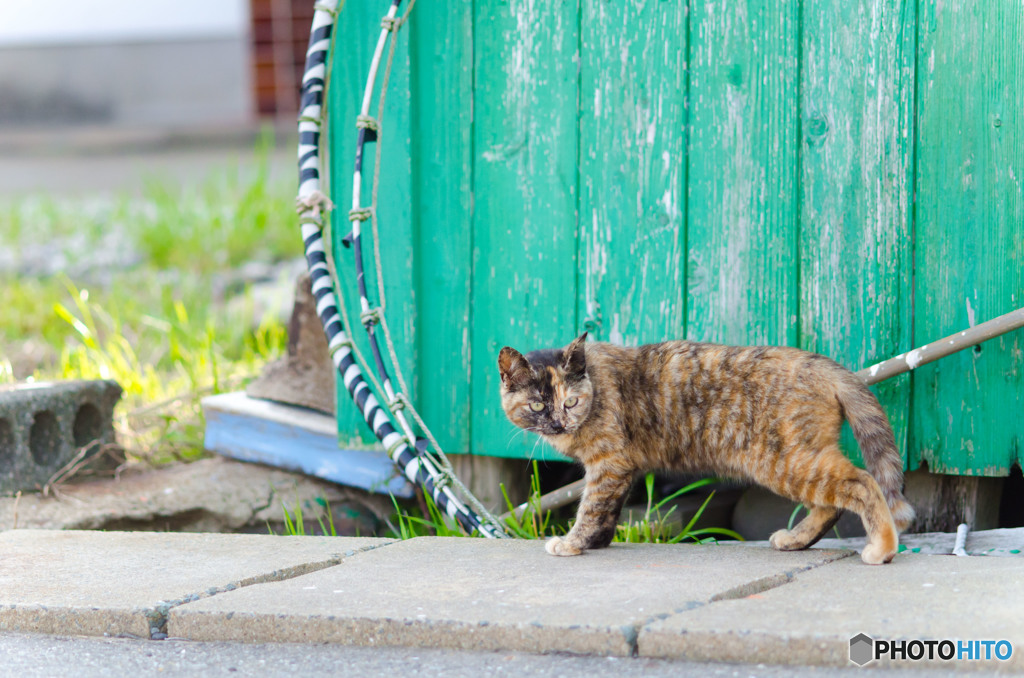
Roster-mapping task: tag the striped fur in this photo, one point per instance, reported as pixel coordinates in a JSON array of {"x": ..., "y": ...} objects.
[{"x": 765, "y": 414}]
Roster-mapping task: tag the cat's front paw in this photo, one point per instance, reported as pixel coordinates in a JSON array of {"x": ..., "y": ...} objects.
[
  {"x": 784, "y": 540},
  {"x": 557, "y": 546}
]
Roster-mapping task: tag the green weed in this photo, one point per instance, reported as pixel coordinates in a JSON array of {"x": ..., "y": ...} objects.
[
  {"x": 159, "y": 326},
  {"x": 430, "y": 522},
  {"x": 165, "y": 366},
  {"x": 533, "y": 523},
  {"x": 294, "y": 525},
  {"x": 655, "y": 527}
]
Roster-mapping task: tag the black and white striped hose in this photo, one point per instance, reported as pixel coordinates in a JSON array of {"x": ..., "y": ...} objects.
[{"x": 406, "y": 449}]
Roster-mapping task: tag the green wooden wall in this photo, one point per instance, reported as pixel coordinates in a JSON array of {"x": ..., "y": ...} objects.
[{"x": 839, "y": 175}]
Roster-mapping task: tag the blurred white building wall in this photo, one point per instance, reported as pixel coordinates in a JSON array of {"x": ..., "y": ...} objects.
[{"x": 133, "y": 63}]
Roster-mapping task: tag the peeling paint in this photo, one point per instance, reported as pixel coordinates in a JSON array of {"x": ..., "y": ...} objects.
[
  {"x": 615, "y": 335},
  {"x": 914, "y": 358}
]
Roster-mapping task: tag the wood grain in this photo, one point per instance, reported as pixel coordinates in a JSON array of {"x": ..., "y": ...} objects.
[
  {"x": 841, "y": 176},
  {"x": 970, "y": 234},
  {"x": 441, "y": 42},
  {"x": 856, "y": 157},
  {"x": 525, "y": 199},
  {"x": 743, "y": 170},
  {"x": 633, "y": 171}
]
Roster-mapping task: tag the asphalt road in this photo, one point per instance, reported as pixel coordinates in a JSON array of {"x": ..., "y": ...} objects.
[{"x": 33, "y": 656}]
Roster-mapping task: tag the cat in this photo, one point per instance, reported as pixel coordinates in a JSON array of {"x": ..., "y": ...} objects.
[{"x": 767, "y": 414}]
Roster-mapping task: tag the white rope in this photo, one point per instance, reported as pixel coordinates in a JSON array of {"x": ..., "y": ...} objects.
[{"x": 312, "y": 202}]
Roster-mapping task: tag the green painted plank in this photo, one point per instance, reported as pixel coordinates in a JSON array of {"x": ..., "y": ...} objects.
[
  {"x": 742, "y": 208},
  {"x": 632, "y": 170},
  {"x": 857, "y": 99},
  {"x": 970, "y": 233},
  {"x": 524, "y": 190},
  {"x": 357, "y": 29},
  {"x": 441, "y": 41}
]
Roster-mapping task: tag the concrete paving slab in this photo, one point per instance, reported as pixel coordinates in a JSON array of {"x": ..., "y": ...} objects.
[
  {"x": 812, "y": 619},
  {"x": 491, "y": 595},
  {"x": 114, "y": 583}
]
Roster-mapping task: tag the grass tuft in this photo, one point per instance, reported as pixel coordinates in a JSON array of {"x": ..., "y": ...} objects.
[
  {"x": 656, "y": 526},
  {"x": 147, "y": 291}
]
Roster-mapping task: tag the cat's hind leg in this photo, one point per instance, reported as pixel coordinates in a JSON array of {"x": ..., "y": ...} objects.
[
  {"x": 818, "y": 521},
  {"x": 837, "y": 482},
  {"x": 865, "y": 497}
]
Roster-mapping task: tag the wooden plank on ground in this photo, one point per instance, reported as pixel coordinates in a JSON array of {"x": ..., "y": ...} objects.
[{"x": 296, "y": 439}]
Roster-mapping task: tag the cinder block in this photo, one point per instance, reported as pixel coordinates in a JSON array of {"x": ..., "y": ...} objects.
[{"x": 44, "y": 425}]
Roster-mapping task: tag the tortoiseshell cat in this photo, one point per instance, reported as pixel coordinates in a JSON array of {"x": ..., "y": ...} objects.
[{"x": 768, "y": 414}]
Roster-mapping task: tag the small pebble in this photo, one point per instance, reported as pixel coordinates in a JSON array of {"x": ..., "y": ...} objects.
[{"x": 159, "y": 636}]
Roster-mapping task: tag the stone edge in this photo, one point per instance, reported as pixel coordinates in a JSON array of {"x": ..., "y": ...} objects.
[
  {"x": 607, "y": 640},
  {"x": 372, "y": 632},
  {"x": 146, "y": 622}
]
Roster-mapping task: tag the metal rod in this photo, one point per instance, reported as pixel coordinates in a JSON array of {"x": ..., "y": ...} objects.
[
  {"x": 904, "y": 362},
  {"x": 887, "y": 369},
  {"x": 551, "y": 500}
]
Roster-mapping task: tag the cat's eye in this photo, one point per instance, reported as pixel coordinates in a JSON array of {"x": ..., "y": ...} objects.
[
  {"x": 536, "y": 406},
  {"x": 570, "y": 402}
]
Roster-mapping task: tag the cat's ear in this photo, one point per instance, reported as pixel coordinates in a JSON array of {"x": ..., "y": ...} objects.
[
  {"x": 575, "y": 356},
  {"x": 515, "y": 371}
]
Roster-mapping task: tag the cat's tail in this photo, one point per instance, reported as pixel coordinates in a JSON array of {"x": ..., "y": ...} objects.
[{"x": 877, "y": 444}]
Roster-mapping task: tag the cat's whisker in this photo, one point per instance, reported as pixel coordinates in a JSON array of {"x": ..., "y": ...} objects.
[
  {"x": 512, "y": 437},
  {"x": 534, "y": 448}
]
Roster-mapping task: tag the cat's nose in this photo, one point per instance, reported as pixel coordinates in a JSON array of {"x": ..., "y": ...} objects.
[{"x": 557, "y": 427}]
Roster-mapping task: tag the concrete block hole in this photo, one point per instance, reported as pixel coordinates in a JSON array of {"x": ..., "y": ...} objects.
[
  {"x": 44, "y": 438},
  {"x": 6, "y": 444},
  {"x": 88, "y": 426}
]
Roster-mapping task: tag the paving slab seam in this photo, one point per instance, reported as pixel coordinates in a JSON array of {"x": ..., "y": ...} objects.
[
  {"x": 773, "y": 581},
  {"x": 158, "y": 615},
  {"x": 751, "y": 588},
  {"x": 631, "y": 632},
  {"x": 442, "y": 592},
  {"x": 922, "y": 600}
]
